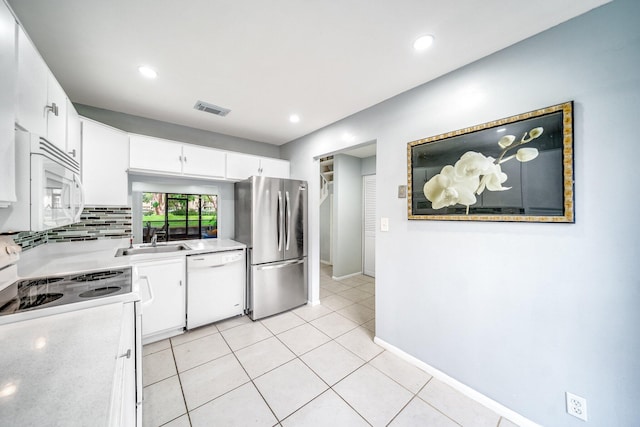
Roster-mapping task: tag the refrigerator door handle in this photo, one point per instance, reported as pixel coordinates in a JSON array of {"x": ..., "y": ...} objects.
[
  {"x": 281, "y": 264},
  {"x": 287, "y": 229},
  {"x": 279, "y": 221}
]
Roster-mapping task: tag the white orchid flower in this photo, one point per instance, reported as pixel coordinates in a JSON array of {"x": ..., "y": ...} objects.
[
  {"x": 447, "y": 189},
  {"x": 493, "y": 180},
  {"x": 536, "y": 132},
  {"x": 526, "y": 154},
  {"x": 506, "y": 141},
  {"x": 472, "y": 165},
  {"x": 533, "y": 134}
]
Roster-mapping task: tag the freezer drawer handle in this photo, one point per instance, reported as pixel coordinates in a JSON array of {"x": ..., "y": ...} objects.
[{"x": 280, "y": 265}]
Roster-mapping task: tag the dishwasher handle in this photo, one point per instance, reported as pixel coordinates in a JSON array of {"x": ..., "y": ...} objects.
[{"x": 213, "y": 261}]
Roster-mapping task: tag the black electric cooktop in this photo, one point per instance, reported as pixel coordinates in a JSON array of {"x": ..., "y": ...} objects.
[{"x": 44, "y": 292}]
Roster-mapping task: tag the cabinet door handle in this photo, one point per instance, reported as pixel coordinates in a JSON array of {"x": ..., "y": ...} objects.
[
  {"x": 127, "y": 354},
  {"x": 53, "y": 108}
]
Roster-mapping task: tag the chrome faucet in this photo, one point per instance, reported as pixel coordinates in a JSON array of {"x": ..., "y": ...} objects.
[{"x": 154, "y": 240}]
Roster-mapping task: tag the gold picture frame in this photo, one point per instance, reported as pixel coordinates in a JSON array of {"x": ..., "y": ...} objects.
[{"x": 519, "y": 168}]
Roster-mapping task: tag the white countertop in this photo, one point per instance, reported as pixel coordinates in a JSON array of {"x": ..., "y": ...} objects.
[
  {"x": 72, "y": 257},
  {"x": 69, "y": 380},
  {"x": 59, "y": 370}
]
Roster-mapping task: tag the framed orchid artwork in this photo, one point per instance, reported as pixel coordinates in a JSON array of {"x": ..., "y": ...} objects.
[{"x": 515, "y": 169}]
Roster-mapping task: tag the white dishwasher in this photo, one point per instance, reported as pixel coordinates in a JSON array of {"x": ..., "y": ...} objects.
[{"x": 216, "y": 285}]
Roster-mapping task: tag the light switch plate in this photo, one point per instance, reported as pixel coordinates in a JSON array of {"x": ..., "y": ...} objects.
[
  {"x": 402, "y": 191},
  {"x": 384, "y": 224}
]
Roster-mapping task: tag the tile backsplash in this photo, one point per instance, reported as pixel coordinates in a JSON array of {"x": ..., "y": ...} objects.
[{"x": 104, "y": 222}]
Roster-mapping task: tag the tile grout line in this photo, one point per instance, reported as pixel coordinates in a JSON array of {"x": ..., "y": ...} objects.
[
  {"x": 250, "y": 379},
  {"x": 184, "y": 398}
]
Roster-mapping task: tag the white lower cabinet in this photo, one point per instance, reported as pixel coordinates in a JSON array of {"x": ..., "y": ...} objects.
[
  {"x": 163, "y": 294},
  {"x": 126, "y": 399}
]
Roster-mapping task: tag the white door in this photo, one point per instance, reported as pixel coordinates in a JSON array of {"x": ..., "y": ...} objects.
[{"x": 369, "y": 225}]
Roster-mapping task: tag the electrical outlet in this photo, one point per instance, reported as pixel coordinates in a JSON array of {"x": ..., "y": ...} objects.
[{"x": 577, "y": 406}]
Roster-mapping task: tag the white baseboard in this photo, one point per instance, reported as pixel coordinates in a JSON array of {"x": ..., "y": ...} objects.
[
  {"x": 462, "y": 388},
  {"x": 347, "y": 276}
]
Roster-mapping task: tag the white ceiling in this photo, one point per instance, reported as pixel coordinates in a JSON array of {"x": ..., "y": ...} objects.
[{"x": 265, "y": 60}]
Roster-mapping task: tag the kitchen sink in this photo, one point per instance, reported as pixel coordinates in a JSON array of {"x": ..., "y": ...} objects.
[{"x": 160, "y": 249}]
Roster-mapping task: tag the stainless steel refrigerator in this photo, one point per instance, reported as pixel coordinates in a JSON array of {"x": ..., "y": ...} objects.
[{"x": 271, "y": 219}]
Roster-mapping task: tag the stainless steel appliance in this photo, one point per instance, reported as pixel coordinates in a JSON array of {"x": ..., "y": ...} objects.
[
  {"x": 48, "y": 187},
  {"x": 271, "y": 219},
  {"x": 215, "y": 287}
]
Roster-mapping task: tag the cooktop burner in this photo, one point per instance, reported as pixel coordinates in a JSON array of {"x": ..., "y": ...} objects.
[
  {"x": 99, "y": 292},
  {"x": 98, "y": 275},
  {"x": 43, "y": 292},
  {"x": 43, "y": 281}
]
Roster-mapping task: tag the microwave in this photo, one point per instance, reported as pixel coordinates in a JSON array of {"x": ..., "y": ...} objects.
[{"x": 48, "y": 187}]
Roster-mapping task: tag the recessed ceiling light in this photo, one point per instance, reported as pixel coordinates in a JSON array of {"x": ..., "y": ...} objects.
[
  {"x": 423, "y": 42},
  {"x": 294, "y": 118},
  {"x": 148, "y": 72}
]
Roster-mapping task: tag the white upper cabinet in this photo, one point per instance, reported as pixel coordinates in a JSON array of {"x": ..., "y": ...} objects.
[
  {"x": 56, "y": 111},
  {"x": 42, "y": 103},
  {"x": 105, "y": 159},
  {"x": 203, "y": 161},
  {"x": 160, "y": 156},
  {"x": 274, "y": 168},
  {"x": 242, "y": 166},
  {"x": 33, "y": 76},
  {"x": 7, "y": 104},
  {"x": 155, "y": 155},
  {"x": 74, "y": 132}
]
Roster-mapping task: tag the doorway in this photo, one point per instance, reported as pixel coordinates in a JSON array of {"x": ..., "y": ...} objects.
[{"x": 347, "y": 226}]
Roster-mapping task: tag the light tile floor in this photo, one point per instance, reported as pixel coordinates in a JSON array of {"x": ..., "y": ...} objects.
[{"x": 312, "y": 366}]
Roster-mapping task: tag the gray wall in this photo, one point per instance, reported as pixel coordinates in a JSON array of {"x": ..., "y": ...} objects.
[
  {"x": 519, "y": 312},
  {"x": 347, "y": 216},
  {"x": 368, "y": 166},
  {"x": 158, "y": 129}
]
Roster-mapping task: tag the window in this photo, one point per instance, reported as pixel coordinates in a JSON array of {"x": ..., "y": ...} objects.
[{"x": 173, "y": 216}]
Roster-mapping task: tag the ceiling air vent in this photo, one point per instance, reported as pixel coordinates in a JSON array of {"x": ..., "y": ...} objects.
[{"x": 210, "y": 108}]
